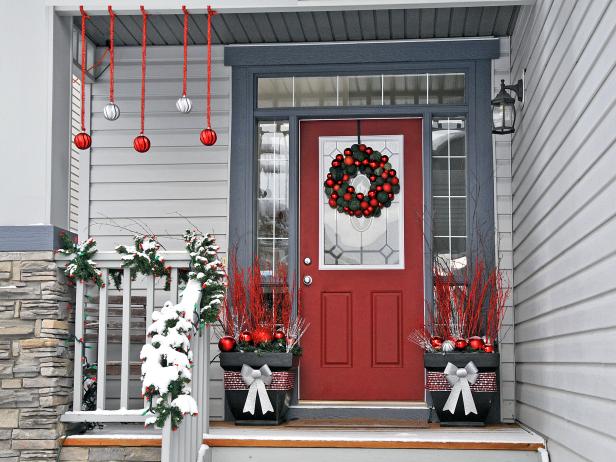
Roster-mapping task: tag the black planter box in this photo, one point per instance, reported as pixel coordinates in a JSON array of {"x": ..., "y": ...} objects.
[
  {"x": 235, "y": 399},
  {"x": 484, "y": 400}
]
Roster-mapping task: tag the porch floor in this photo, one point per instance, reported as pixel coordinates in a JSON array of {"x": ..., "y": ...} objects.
[{"x": 510, "y": 437}]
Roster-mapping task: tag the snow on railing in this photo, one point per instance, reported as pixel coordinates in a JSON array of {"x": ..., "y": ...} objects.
[{"x": 111, "y": 323}]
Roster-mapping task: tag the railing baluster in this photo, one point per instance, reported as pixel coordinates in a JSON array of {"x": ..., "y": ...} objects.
[
  {"x": 174, "y": 285},
  {"x": 79, "y": 350},
  {"x": 125, "y": 366},
  {"x": 149, "y": 303},
  {"x": 101, "y": 376}
]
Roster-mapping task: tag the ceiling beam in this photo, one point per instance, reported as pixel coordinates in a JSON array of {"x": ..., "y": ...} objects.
[{"x": 98, "y": 7}]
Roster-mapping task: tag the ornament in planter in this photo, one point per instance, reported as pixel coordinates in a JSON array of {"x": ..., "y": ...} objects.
[
  {"x": 462, "y": 370},
  {"x": 260, "y": 367},
  {"x": 259, "y": 386},
  {"x": 463, "y": 386}
]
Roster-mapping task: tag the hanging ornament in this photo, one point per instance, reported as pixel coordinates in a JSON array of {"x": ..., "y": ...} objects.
[
  {"x": 82, "y": 140},
  {"x": 111, "y": 110},
  {"x": 208, "y": 136},
  {"x": 142, "y": 142},
  {"x": 183, "y": 104}
]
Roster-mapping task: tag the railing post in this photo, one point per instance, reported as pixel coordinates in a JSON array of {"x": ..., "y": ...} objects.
[
  {"x": 125, "y": 365},
  {"x": 101, "y": 367},
  {"x": 79, "y": 350}
]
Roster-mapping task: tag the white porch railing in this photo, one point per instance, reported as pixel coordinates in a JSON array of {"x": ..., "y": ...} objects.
[{"x": 120, "y": 319}]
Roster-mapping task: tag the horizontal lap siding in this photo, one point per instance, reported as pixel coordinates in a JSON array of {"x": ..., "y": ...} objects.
[
  {"x": 564, "y": 224},
  {"x": 502, "y": 181},
  {"x": 178, "y": 183}
]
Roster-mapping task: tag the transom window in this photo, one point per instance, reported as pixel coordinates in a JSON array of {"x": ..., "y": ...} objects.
[{"x": 360, "y": 90}]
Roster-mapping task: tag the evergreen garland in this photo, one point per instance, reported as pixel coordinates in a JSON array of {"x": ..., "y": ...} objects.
[
  {"x": 143, "y": 258},
  {"x": 206, "y": 268},
  {"x": 81, "y": 267}
]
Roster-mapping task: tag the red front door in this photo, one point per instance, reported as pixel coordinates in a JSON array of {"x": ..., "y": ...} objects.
[{"x": 366, "y": 289}]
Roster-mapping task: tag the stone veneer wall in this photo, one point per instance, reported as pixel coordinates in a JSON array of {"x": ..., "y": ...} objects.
[
  {"x": 110, "y": 454},
  {"x": 35, "y": 367}
]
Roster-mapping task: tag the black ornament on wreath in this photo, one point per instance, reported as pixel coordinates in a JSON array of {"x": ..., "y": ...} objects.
[{"x": 361, "y": 159}]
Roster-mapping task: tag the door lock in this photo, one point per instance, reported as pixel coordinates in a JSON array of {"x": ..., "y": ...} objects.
[{"x": 307, "y": 280}]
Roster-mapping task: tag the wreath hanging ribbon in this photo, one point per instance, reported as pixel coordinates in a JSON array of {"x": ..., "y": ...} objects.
[{"x": 361, "y": 159}]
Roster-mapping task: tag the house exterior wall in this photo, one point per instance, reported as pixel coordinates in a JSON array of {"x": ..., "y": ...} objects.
[
  {"x": 178, "y": 183},
  {"x": 564, "y": 226},
  {"x": 36, "y": 366},
  {"x": 502, "y": 218}
]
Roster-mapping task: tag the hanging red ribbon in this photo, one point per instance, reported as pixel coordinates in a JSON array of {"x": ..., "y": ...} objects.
[
  {"x": 111, "y": 54},
  {"x": 210, "y": 13},
  {"x": 208, "y": 135},
  {"x": 141, "y": 143},
  {"x": 82, "y": 140},
  {"x": 144, "y": 36},
  {"x": 185, "y": 49},
  {"x": 84, "y": 16}
]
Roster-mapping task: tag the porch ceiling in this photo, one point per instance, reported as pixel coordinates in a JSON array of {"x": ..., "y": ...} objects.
[{"x": 312, "y": 26}]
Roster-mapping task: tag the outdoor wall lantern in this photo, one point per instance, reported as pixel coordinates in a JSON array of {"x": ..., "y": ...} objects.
[{"x": 503, "y": 108}]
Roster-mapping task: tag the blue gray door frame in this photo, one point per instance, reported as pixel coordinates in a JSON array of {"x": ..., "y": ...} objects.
[{"x": 471, "y": 57}]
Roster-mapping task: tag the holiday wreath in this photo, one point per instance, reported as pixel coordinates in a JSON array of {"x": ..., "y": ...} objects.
[{"x": 361, "y": 159}]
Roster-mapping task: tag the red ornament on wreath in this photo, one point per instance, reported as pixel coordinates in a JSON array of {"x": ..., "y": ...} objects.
[{"x": 360, "y": 159}]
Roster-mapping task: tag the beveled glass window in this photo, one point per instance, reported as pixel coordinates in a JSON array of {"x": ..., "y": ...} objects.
[
  {"x": 449, "y": 189},
  {"x": 358, "y": 242},
  {"x": 361, "y": 90},
  {"x": 273, "y": 194}
]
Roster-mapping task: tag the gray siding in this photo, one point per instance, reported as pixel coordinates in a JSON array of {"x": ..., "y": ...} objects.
[
  {"x": 179, "y": 182},
  {"x": 73, "y": 193},
  {"x": 564, "y": 224},
  {"x": 504, "y": 251}
]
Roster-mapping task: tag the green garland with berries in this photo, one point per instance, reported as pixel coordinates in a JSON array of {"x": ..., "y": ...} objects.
[
  {"x": 361, "y": 159},
  {"x": 81, "y": 267}
]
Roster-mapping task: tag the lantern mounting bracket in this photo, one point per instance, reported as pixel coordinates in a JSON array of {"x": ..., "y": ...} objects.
[{"x": 518, "y": 88}]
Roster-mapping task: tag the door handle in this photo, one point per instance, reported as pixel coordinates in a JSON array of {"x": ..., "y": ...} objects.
[{"x": 307, "y": 280}]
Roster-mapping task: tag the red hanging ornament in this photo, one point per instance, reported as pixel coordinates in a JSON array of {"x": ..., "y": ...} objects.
[
  {"x": 82, "y": 140},
  {"x": 208, "y": 136},
  {"x": 141, "y": 142}
]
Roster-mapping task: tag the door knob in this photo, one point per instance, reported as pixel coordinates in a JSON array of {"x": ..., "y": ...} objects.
[
  {"x": 307, "y": 261},
  {"x": 307, "y": 280}
]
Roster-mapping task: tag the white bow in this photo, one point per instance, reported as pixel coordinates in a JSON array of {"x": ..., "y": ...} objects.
[
  {"x": 257, "y": 379},
  {"x": 461, "y": 380}
]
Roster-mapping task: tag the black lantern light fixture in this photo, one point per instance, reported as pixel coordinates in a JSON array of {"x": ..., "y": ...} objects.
[{"x": 503, "y": 108}]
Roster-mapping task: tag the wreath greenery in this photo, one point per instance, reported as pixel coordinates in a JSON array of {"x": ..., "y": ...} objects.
[{"x": 361, "y": 159}]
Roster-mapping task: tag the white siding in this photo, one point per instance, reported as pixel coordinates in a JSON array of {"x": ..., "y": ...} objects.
[
  {"x": 179, "y": 183},
  {"x": 73, "y": 193},
  {"x": 564, "y": 226}
]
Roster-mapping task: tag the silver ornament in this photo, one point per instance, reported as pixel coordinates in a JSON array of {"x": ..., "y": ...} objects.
[
  {"x": 183, "y": 104},
  {"x": 448, "y": 346},
  {"x": 111, "y": 111}
]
